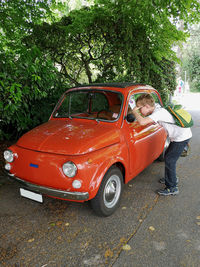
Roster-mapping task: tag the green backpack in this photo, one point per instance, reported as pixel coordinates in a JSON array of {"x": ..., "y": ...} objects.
[{"x": 182, "y": 117}]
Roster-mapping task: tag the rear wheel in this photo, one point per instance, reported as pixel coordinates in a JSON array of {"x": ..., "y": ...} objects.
[{"x": 108, "y": 197}]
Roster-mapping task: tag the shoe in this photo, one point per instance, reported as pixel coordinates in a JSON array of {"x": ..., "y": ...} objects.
[
  {"x": 162, "y": 180},
  {"x": 168, "y": 191}
]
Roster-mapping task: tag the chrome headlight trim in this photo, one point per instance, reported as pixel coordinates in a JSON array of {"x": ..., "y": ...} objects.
[
  {"x": 69, "y": 169},
  {"x": 8, "y": 155}
]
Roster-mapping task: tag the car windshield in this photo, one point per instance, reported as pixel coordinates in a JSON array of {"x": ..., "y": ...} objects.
[{"x": 90, "y": 104}]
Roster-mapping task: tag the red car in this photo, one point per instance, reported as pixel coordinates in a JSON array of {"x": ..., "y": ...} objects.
[{"x": 90, "y": 147}]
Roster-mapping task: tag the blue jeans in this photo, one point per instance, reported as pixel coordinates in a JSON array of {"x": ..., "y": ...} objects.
[{"x": 172, "y": 154}]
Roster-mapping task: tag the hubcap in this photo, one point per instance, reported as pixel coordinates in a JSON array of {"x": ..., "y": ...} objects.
[{"x": 112, "y": 191}]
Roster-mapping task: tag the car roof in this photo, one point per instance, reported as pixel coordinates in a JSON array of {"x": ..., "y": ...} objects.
[
  {"x": 114, "y": 84},
  {"x": 121, "y": 86}
]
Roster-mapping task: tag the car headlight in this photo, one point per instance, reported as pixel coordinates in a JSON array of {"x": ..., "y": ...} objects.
[
  {"x": 8, "y": 166},
  {"x": 69, "y": 169},
  {"x": 8, "y": 155}
]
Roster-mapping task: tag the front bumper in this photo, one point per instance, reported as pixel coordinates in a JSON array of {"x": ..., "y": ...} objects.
[{"x": 50, "y": 191}]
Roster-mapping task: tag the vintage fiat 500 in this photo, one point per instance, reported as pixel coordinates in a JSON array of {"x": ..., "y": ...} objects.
[{"x": 90, "y": 147}]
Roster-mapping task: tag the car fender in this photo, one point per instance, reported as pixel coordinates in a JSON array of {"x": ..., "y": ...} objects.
[{"x": 110, "y": 160}]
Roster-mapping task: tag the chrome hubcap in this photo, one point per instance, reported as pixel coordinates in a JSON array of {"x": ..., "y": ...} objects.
[{"x": 112, "y": 191}]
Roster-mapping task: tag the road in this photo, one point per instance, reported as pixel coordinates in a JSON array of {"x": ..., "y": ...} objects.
[{"x": 147, "y": 229}]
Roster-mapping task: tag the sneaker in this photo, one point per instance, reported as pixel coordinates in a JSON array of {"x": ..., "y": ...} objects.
[
  {"x": 162, "y": 180},
  {"x": 168, "y": 191}
]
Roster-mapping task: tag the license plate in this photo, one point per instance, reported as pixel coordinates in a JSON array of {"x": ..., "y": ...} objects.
[{"x": 31, "y": 195}]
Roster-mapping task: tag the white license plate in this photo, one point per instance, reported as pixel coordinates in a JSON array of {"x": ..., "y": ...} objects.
[{"x": 31, "y": 195}]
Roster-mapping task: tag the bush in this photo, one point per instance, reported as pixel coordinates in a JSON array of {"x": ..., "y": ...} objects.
[{"x": 29, "y": 87}]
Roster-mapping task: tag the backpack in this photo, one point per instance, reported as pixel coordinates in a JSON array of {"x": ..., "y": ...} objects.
[{"x": 182, "y": 117}]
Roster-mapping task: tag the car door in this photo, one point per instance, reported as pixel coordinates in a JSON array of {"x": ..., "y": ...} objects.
[{"x": 145, "y": 143}]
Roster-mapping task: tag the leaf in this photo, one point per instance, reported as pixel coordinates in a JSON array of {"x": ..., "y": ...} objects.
[
  {"x": 126, "y": 247},
  {"x": 108, "y": 253},
  {"x": 31, "y": 240},
  {"x": 151, "y": 228}
]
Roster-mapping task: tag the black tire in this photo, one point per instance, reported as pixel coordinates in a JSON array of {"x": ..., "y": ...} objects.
[{"x": 108, "y": 197}]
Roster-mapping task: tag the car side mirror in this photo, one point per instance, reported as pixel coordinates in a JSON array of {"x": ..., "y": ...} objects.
[{"x": 130, "y": 117}]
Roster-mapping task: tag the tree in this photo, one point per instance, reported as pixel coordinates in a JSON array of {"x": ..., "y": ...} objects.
[
  {"x": 45, "y": 48},
  {"x": 191, "y": 60},
  {"x": 26, "y": 75},
  {"x": 117, "y": 41}
]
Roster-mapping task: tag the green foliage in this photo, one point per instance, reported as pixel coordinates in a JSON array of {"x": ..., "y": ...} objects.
[
  {"x": 27, "y": 77},
  {"x": 194, "y": 71},
  {"x": 164, "y": 80},
  {"x": 25, "y": 80},
  {"x": 44, "y": 48},
  {"x": 191, "y": 60},
  {"x": 115, "y": 41}
]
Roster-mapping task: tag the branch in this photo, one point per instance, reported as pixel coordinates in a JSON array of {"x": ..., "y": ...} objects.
[{"x": 66, "y": 74}]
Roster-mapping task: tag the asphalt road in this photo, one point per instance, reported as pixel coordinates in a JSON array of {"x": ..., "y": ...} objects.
[{"x": 147, "y": 229}]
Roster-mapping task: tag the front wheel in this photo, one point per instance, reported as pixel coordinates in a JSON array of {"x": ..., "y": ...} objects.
[{"x": 108, "y": 197}]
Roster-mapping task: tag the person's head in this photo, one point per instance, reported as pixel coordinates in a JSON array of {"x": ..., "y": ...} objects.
[{"x": 146, "y": 104}]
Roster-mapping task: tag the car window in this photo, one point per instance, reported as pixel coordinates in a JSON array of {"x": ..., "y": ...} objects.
[
  {"x": 73, "y": 103},
  {"x": 132, "y": 102},
  {"x": 78, "y": 102},
  {"x": 133, "y": 97},
  {"x": 99, "y": 102},
  {"x": 90, "y": 104}
]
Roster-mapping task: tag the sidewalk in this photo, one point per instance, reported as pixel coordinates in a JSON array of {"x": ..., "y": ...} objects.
[
  {"x": 190, "y": 101},
  {"x": 170, "y": 235}
]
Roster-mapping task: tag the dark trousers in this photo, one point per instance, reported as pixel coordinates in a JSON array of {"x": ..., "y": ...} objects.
[{"x": 172, "y": 154}]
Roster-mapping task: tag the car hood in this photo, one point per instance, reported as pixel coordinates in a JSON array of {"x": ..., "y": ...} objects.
[{"x": 71, "y": 137}]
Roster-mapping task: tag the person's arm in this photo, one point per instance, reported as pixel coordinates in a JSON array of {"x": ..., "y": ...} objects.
[{"x": 141, "y": 120}]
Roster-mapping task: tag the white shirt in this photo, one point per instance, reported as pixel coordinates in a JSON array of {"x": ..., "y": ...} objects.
[{"x": 175, "y": 133}]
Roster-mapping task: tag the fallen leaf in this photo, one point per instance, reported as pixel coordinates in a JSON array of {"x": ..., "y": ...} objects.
[
  {"x": 122, "y": 240},
  {"x": 31, "y": 240},
  {"x": 151, "y": 228},
  {"x": 140, "y": 220},
  {"x": 67, "y": 224},
  {"x": 126, "y": 247},
  {"x": 108, "y": 253},
  {"x": 198, "y": 217}
]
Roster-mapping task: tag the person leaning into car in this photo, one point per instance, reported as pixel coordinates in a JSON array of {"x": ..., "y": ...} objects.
[{"x": 145, "y": 112}]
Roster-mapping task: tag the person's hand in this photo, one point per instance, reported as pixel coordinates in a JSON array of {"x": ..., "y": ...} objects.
[{"x": 136, "y": 109}]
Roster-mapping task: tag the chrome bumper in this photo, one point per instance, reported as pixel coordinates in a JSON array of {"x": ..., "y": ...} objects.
[{"x": 50, "y": 191}]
